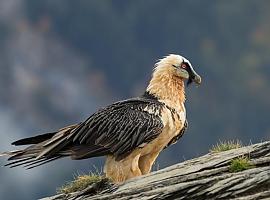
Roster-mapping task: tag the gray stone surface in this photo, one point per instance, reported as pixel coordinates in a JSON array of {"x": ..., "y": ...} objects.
[{"x": 205, "y": 177}]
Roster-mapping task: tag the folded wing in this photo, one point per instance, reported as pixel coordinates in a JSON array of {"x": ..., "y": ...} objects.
[{"x": 116, "y": 129}]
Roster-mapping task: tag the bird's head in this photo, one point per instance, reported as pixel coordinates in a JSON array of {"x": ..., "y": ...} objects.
[
  {"x": 169, "y": 76},
  {"x": 179, "y": 67}
]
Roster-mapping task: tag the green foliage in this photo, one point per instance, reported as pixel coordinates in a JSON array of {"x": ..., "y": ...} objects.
[
  {"x": 80, "y": 182},
  {"x": 240, "y": 164},
  {"x": 225, "y": 146}
]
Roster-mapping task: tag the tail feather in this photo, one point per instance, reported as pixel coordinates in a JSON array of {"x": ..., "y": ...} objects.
[
  {"x": 53, "y": 149},
  {"x": 43, "y": 149},
  {"x": 51, "y": 146},
  {"x": 9, "y": 153},
  {"x": 31, "y": 162},
  {"x": 41, "y": 138},
  {"x": 20, "y": 162},
  {"x": 17, "y": 161},
  {"x": 34, "y": 140},
  {"x": 41, "y": 162},
  {"x": 30, "y": 151}
]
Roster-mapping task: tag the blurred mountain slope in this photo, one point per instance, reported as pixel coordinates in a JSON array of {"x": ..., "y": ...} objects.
[{"x": 62, "y": 60}]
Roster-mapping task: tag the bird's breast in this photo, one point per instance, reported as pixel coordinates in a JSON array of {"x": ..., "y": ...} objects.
[
  {"x": 173, "y": 121},
  {"x": 174, "y": 118}
]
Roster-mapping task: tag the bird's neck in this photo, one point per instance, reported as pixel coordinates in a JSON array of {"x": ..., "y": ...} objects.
[{"x": 167, "y": 88}]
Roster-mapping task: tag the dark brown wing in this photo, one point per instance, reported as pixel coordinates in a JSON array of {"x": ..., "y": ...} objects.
[
  {"x": 116, "y": 129},
  {"x": 121, "y": 127}
]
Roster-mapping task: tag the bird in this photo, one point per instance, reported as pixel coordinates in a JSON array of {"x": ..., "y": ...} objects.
[{"x": 129, "y": 133}]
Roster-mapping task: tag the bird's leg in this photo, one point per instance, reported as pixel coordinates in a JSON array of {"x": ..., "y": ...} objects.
[
  {"x": 146, "y": 162},
  {"x": 120, "y": 171},
  {"x": 134, "y": 168}
]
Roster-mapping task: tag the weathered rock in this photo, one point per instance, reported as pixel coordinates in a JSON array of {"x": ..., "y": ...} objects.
[{"x": 205, "y": 177}]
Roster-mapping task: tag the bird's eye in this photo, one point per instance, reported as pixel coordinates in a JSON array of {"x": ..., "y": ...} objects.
[{"x": 184, "y": 66}]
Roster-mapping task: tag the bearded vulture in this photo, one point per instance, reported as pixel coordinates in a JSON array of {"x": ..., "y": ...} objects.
[{"x": 130, "y": 133}]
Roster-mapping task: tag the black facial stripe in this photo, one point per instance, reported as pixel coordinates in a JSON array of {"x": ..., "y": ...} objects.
[
  {"x": 189, "y": 69},
  {"x": 190, "y": 73}
]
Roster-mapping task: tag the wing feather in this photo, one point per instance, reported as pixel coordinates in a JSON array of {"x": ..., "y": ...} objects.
[
  {"x": 122, "y": 127},
  {"x": 116, "y": 129}
]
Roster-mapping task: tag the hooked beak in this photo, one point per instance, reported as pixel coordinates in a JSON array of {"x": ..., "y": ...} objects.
[{"x": 194, "y": 77}]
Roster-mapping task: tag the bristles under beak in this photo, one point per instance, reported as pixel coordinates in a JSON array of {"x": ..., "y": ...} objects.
[
  {"x": 194, "y": 77},
  {"x": 197, "y": 79}
]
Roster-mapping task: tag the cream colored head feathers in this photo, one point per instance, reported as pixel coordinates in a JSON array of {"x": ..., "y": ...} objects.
[{"x": 168, "y": 78}]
